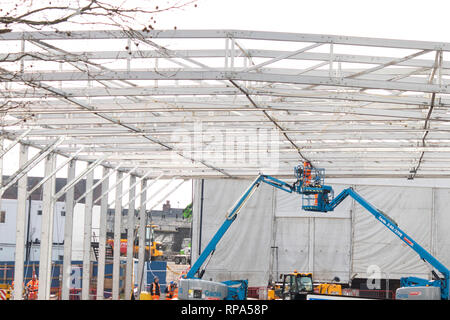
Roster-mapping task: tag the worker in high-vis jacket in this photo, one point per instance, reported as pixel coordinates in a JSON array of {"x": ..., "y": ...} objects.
[
  {"x": 171, "y": 291},
  {"x": 155, "y": 289},
  {"x": 32, "y": 287},
  {"x": 307, "y": 171}
]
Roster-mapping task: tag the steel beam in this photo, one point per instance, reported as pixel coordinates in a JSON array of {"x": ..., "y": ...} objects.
[
  {"x": 98, "y": 183},
  {"x": 157, "y": 191},
  {"x": 281, "y": 57},
  {"x": 44, "y": 179},
  {"x": 426, "y": 126},
  {"x": 376, "y": 103},
  {"x": 62, "y": 95},
  {"x": 122, "y": 178},
  {"x": 165, "y": 196},
  {"x": 30, "y": 164},
  {"x": 217, "y": 53},
  {"x": 126, "y": 190},
  {"x": 243, "y": 76},
  {"x": 390, "y": 63},
  {"x": 88, "y": 169},
  {"x": 133, "y": 185},
  {"x": 146, "y": 188},
  {"x": 14, "y": 143},
  {"x": 228, "y": 33}
]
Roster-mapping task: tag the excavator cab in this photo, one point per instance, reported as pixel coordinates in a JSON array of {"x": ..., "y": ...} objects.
[
  {"x": 150, "y": 244},
  {"x": 296, "y": 286}
]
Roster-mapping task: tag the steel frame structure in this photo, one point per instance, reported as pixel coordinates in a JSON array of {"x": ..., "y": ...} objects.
[
  {"x": 184, "y": 104},
  {"x": 358, "y": 107}
]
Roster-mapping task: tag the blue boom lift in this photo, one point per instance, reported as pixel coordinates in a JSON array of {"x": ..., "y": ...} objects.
[{"x": 315, "y": 197}]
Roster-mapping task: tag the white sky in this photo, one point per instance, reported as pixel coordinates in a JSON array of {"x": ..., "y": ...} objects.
[{"x": 398, "y": 19}]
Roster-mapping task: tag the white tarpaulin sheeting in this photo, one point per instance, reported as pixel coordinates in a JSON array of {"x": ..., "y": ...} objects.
[
  {"x": 273, "y": 235},
  {"x": 441, "y": 230},
  {"x": 244, "y": 251},
  {"x": 374, "y": 244}
]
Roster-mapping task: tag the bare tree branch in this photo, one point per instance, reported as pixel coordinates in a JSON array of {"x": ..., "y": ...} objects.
[
  {"x": 121, "y": 14},
  {"x": 60, "y": 15}
]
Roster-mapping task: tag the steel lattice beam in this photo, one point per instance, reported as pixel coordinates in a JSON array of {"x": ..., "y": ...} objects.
[{"x": 328, "y": 97}]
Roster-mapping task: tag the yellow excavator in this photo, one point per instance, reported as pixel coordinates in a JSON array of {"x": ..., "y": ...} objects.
[{"x": 297, "y": 285}]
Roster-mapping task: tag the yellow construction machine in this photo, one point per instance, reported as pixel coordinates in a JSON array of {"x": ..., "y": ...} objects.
[
  {"x": 153, "y": 248},
  {"x": 297, "y": 285},
  {"x": 5, "y": 291},
  {"x": 329, "y": 288}
]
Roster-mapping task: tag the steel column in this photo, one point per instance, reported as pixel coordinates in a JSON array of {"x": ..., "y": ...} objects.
[
  {"x": 1, "y": 167},
  {"x": 130, "y": 240},
  {"x": 102, "y": 236},
  {"x": 20, "y": 227},
  {"x": 1, "y": 161},
  {"x": 117, "y": 231},
  {"x": 68, "y": 232},
  {"x": 48, "y": 202},
  {"x": 87, "y": 234},
  {"x": 142, "y": 225}
]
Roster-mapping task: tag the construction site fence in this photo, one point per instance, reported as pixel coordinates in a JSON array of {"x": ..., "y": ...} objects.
[{"x": 153, "y": 269}]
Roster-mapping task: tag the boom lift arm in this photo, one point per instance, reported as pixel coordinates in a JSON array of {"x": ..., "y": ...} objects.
[
  {"x": 320, "y": 198},
  {"x": 390, "y": 224},
  {"x": 229, "y": 219}
]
